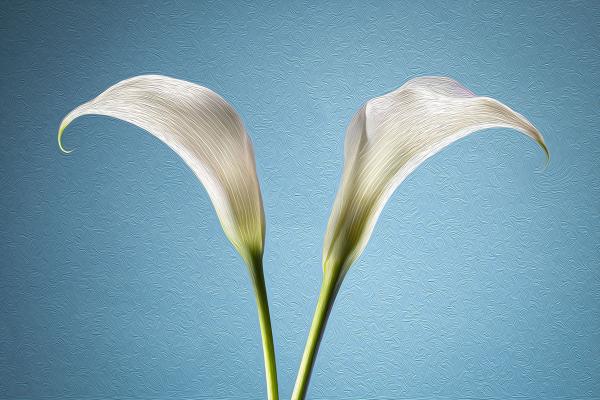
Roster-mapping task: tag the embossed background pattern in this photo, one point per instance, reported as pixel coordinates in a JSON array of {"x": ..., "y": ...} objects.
[{"x": 482, "y": 279}]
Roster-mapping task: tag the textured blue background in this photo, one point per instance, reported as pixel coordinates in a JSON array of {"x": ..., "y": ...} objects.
[{"x": 482, "y": 279}]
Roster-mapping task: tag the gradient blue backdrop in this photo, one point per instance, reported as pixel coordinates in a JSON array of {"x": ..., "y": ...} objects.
[{"x": 482, "y": 279}]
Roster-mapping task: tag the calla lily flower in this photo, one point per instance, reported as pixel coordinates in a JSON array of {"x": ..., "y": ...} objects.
[
  {"x": 208, "y": 134},
  {"x": 388, "y": 138}
]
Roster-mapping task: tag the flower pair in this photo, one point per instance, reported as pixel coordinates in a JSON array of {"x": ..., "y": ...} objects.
[{"x": 386, "y": 140}]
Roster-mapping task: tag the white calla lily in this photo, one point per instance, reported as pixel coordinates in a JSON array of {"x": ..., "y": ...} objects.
[
  {"x": 388, "y": 138},
  {"x": 208, "y": 134}
]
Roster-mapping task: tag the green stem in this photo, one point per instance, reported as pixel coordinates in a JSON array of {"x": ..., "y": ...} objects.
[
  {"x": 262, "y": 304},
  {"x": 329, "y": 290}
]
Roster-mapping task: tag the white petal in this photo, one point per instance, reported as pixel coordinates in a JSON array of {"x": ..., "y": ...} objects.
[
  {"x": 392, "y": 135},
  {"x": 207, "y": 133}
]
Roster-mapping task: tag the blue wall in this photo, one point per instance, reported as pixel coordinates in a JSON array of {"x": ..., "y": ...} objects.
[{"x": 482, "y": 279}]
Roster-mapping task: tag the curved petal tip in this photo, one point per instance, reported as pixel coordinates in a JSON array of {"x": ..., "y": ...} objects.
[
  {"x": 61, "y": 130},
  {"x": 546, "y": 152}
]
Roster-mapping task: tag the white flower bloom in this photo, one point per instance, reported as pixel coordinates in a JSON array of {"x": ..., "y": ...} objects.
[
  {"x": 207, "y": 133},
  {"x": 392, "y": 135}
]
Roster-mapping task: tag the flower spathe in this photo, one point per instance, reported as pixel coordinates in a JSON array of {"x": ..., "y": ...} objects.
[
  {"x": 388, "y": 138},
  {"x": 207, "y": 133}
]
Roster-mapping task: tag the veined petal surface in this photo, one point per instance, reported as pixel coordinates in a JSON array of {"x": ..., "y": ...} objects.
[
  {"x": 392, "y": 135},
  {"x": 207, "y": 133}
]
